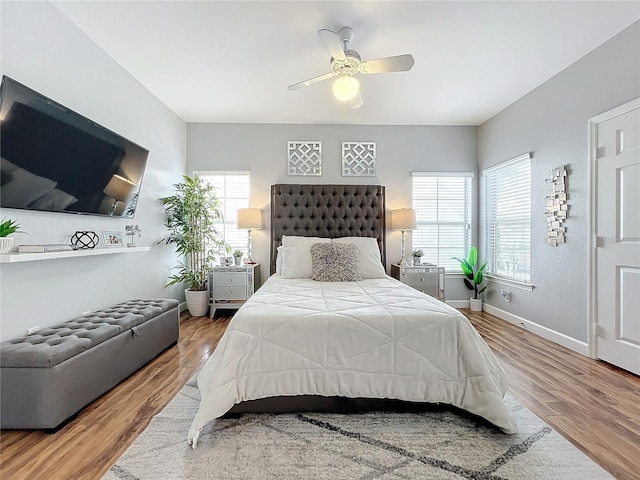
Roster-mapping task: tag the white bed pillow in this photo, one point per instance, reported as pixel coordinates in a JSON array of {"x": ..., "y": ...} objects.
[
  {"x": 296, "y": 256},
  {"x": 369, "y": 259},
  {"x": 279, "y": 258}
]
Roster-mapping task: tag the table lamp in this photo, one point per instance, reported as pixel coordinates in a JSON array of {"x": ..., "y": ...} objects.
[{"x": 403, "y": 219}]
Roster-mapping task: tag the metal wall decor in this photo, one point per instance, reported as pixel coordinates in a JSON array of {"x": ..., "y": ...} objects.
[
  {"x": 358, "y": 159},
  {"x": 556, "y": 207},
  {"x": 305, "y": 158},
  {"x": 82, "y": 240}
]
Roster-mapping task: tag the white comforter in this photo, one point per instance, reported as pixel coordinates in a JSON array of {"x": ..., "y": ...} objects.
[{"x": 374, "y": 338}]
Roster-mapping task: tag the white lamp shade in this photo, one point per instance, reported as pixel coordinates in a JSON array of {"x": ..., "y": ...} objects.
[
  {"x": 120, "y": 188},
  {"x": 250, "y": 218},
  {"x": 346, "y": 88},
  {"x": 403, "y": 219}
]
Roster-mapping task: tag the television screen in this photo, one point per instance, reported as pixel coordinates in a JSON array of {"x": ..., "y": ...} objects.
[{"x": 54, "y": 159}]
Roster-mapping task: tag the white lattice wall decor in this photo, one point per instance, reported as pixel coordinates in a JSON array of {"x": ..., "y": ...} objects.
[
  {"x": 358, "y": 159},
  {"x": 305, "y": 158},
  {"x": 556, "y": 207}
]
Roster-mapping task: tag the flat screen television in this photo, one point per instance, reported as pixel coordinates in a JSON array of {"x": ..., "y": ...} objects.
[{"x": 53, "y": 159}]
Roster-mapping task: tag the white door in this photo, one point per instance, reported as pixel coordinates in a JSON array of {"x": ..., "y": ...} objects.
[{"x": 617, "y": 243}]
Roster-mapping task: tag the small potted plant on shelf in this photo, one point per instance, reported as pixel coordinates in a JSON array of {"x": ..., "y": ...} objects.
[
  {"x": 417, "y": 256},
  {"x": 132, "y": 231},
  {"x": 192, "y": 214},
  {"x": 237, "y": 256},
  {"x": 474, "y": 278},
  {"x": 7, "y": 227}
]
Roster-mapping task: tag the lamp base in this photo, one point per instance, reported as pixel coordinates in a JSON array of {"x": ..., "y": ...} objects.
[{"x": 402, "y": 262}]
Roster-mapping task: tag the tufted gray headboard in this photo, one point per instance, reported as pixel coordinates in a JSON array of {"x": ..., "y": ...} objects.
[{"x": 327, "y": 211}]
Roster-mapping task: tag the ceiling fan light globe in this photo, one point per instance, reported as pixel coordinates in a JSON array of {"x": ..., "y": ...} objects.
[{"x": 346, "y": 88}]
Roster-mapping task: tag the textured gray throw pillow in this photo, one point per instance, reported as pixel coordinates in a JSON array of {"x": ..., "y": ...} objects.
[{"x": 335, "y": 262}]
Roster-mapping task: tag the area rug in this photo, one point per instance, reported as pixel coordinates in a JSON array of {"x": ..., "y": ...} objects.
[{"x": 440, "y": 444}]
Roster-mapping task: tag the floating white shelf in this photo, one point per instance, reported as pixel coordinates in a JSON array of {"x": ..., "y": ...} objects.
[{"x": 32, "y": 257}]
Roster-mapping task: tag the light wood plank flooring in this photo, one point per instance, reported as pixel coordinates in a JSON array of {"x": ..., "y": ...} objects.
[{"x": 594, "y": 405}]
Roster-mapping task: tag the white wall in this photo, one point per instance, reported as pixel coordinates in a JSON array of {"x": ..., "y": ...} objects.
[
  {"x": 42, "y": 49},
  {"x": 551, "y": 122},
  {"x": 262, "y": 149}
]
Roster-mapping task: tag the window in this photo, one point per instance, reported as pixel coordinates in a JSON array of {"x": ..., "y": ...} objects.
[
  {"x": 232, "y": 188},
  {"x": 507, "y": 223},
  {"x": 442, "y": 202}
]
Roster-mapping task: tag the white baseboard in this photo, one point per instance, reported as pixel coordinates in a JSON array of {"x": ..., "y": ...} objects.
[
  {"x": 183, "y": 306},
  {"x": 556, "y": 337},
  {"x": 458, "y": 303}
]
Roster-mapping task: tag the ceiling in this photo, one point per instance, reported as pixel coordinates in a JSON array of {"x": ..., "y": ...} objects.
[{"x": 231, "y": 61}]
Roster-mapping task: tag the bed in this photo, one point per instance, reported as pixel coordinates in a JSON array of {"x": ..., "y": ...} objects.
[{"x": 299, "y": 342}]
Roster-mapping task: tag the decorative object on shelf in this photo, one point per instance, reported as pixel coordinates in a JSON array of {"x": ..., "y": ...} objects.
[
  {"x": 305, "y": 158},
  {"x": 85, "y": 239},
  {"x": 120, "y": 189},
  {"x": 417, "y": 256},
  {"x": 113, "y": 239},
  {"x": 226, "y": 261},
  {"x": 132, "y": 231},
  {"x": 237, "y": 257},
  {"x": 556, "y": 208},
  {"x": 7, "y": 227},
  {"x": 192, "y": 214},
  {"x": 358, "y": 159},
  {"x": 403, "y": 219},
  {"x": 474, "y": 278},
  {"x": 249, "y": 219}
]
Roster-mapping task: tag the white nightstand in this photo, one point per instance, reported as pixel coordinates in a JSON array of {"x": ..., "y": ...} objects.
[
  {"x": 428, "y": 279},
  {"x": 230, "y": 287}
]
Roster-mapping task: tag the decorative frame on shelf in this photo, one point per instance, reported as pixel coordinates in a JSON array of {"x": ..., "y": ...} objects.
[
  {"x": 358, "y": 159},
  {"x": 113, "y": 238},
  {"x": 304, "y": 158},
  {"x": 556, "y": 207}
]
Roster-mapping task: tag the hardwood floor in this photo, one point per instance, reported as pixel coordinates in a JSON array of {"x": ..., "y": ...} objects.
[{"x": 594, "y": 405}]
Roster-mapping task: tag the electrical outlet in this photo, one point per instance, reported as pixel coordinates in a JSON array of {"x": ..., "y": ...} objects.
[
  {"x": 32, "y": 330},
  {"x": 506, "y": 294}
]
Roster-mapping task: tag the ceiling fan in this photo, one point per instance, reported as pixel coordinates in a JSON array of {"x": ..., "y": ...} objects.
[{"x": 346, "y": 63}]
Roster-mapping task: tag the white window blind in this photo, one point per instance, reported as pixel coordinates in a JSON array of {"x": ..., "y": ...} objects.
[
  {"x": 232, "y": 189},
  {"x": 507, "y": 223},
  {"x": 442, "y": 202}
]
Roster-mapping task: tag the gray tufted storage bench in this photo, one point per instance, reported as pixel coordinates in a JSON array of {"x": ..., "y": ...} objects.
[{"x": 50, "y": 375}]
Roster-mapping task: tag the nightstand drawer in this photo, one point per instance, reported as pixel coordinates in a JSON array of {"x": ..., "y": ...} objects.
[
  {"x": 415, "y": 279},
  {"x": 230, "y": 279},
  {"x": 230, "y": 293}
]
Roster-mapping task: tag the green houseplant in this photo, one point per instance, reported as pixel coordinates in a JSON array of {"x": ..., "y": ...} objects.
[
  {"x": 474, "y": 277},
  {"x": 237, "y": 256},
  {"x": 192, "y": 213},
  {"x": 417, "y": 256},
  {"x": 7, "y": 227}
]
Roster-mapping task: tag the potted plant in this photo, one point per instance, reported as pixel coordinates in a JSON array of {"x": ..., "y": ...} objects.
[
  {"x": 7, "y": 227},
  {"x": 192, "y": 213},
  {"x": 237, "y": 256},
  {"x": 474, "y": 278},
  {"x": 417, "y": 256}
]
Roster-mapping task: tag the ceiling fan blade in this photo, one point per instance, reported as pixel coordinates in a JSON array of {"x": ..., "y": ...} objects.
[
  {"x": 399, "y": 63},
  {"x": 356, "y": 102},
  {"x": 310, "y": 81},
  {"x": 333, "y": 43}
]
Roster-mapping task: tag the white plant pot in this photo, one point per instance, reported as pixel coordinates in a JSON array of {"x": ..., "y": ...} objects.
[
  {"x": 5, "y": 244},
  {"x": 475, "y": 304},
  {"x": 197, "y": 302}
]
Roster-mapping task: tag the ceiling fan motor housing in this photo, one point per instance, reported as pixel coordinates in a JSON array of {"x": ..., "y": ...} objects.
[{"x": 349, "y": 66}]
